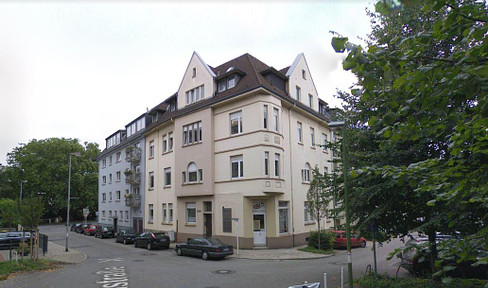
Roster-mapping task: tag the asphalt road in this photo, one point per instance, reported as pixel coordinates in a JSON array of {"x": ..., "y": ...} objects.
[{"x": 114, "y": 265}]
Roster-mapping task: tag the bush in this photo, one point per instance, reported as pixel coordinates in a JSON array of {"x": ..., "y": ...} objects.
[
  {"x": 326, "y": 240},
  {"x": 390, "y": 282}
]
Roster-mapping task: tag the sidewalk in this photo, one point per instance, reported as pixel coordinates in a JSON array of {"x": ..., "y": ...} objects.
[{"x": 55, "y": 252}]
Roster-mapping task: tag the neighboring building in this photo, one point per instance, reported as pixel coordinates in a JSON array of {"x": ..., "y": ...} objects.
[
  {"x": 121, "y": 167},
  {"x": 236, "y": 141}
]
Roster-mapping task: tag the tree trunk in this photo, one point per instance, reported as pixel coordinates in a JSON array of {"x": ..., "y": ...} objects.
[
  {"x": 433, "y": 250},
  {"x": 318, "y": 227}
]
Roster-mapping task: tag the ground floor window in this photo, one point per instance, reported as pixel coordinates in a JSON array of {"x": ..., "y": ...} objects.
[
  {"x": 227, "y": 220},
  {"x": 191, "y": 215},
  {"x": 283, "y": 216}
]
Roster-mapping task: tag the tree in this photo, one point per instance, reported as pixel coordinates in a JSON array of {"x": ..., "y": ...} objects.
[
  {"x": 420, "y": 114},
  {"x": 44, "y": 164},
  {"x": 31, "y": 211},
  {"x": 8, "y": 212},
  {"x": 319, "y": 196}
]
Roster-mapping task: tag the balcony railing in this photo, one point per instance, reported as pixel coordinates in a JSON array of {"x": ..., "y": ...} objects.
[
  {"x": 133, "y": 179},
  {"x": 133, "y": 154},
  {"x": 133, "y": 200}
]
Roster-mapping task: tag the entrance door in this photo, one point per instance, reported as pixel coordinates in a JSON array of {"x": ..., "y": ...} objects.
[
  {"x": 115, "y": 225},
  {"x": 259, "y": 223},
  {"x": 208, "y": 224}
]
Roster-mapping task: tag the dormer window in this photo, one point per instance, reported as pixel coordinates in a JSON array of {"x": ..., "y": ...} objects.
[{"x": 228, "y": 82}]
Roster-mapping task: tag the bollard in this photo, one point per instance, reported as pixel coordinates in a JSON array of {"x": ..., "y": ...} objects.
[
  {"x": 342, "y": 276},
  {"x": 325, "y": 280}
]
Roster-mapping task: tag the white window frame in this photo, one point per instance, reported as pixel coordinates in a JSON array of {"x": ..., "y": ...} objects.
[
  {"x": 165, "y": 143},
  {"x": 237, "y": 117},
  {"x": 191, "y": 208},
  {"x": 151, "y": 149},
  {"x": 276, "y": 119},
  {"x": 300, "y": 132},
  {"x": 266, "y": 163},
  {"x": 265, "y": 117},
  {"x": 151, "y": 180},
  {"x": 239, "y": 164},
  {"x": 165, "y": 213},
  {"x": 170, "y": 212},
  {"x": 167, "y": 177},
  {"x": 324, "y": 142},
  {"x": 312, "y": 137},
  {"x": 310, "y": 100},
  {"x": 277, "y": 164},
  {"x": 170, "y": 141},
  {"x": 298, "y": 93},
  {"x": 151, "y": 212},
  {"x": 306, "y": 173}
]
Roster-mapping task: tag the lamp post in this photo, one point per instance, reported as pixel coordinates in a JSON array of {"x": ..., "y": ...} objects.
[
  {"x": 343, "y": 125},
  {"x": 76, "y": 154}
]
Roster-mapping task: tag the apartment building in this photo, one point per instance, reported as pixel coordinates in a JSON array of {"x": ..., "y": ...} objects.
[
  {"x": 230, "y": 154},
  {"x": 121, "y": 167}
]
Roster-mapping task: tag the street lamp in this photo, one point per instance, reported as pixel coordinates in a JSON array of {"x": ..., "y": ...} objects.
[
  {"x": 343, "y": 124},
  {"x": 76, "y": 154}
]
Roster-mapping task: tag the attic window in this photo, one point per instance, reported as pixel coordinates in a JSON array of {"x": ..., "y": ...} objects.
[
  {"x": 228, "y": 82},
  {"x": 304, "y": 74},
  {"x": 194, "y": 72}
]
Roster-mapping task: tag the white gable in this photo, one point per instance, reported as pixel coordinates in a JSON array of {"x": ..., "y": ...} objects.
[
  {"x": 198, "y": 78},
  {"x": 299, "y": 76}
]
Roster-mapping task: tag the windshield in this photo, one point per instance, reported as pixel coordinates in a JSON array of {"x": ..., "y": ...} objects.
[
  {"x": 159, "y": 235},
  {"x": 214, "y": 241}
]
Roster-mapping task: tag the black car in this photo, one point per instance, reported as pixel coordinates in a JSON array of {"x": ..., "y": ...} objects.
[
  {"x": 80, "y": 228},
  {"x": 12, "y": 239},
  {"x": 126, "y": 236},
  {"x": 74, "y": 226},
  {"x": 205, "y": 248},
  {"x": 104, "y": 232},
  {"x": 152, "y": 240}
]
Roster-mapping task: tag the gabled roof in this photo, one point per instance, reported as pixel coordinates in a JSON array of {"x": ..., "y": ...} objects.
[
  {"x": 251, "y": 69},
  {"x": 291, "y": 69}
]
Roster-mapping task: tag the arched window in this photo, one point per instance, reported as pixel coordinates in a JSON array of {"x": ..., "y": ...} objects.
[
  {"x": 306, "y": 173},
  {"x": 195, "y": 175}
]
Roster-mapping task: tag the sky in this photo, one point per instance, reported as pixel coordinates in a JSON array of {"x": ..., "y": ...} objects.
[{"x": 84, "y": 69}]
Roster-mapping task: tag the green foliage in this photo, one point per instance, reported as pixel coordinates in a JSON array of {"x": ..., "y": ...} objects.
[
  {"x": 31, "y": 211},
  {"x": 43, "y": 165},
  {"x": 320, "y": 194},
  {"x": 370, "y": 281},
  {"x": 8, "y": 213},
  {"x": 314, "y": 250},
  {"x": 420, "y": 149},
  {"x": 326, "y": 240},
  {"x": 9, "y": 267}
]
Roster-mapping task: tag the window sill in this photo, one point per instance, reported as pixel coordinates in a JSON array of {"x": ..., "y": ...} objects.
[
  {"x": 167, "y": 187},
  {"x": 167, "y": 223},
  {"x": 325, "y": 151},
  {"x": 150, "y": 222},
  {"x": 300, "y": 143},
  {"x": 306, "y": 182},
  {"x": 309, "y": 223},
  {"x": 150, "y": 189},
  {"x": 191, "y": 144},
  {"x": 313, "y": 147},
  {"x": 152, "y": 157},
  {"x": 167, "y": 152},
  {"x": 190, "y": 225},
  {"x": 190, "y": 183}
]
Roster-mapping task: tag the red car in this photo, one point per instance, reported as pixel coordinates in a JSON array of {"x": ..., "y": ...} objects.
[
  {"x": 340, "y": 240},
  {"x": 90, "y": 230}
]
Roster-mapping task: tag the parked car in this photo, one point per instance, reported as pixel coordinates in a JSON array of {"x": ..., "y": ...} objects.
[
  {"x": 74, "y": 226},
  {"x": 90, "y": 230},
  {"x": 126, "y": 236},
  {"x": 340, "y": 240},
  {"x": 12, "y": 239},
  {"x": 204, "y": 247},
  {"x": 416, "y": 253},
  {"x": 152, "y": 240},
  {"x": 80, "y": 228},
  {"x": 104, "y": 232}
]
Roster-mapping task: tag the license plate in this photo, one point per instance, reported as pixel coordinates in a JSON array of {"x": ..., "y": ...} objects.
[{"x": 225, "y": 249}]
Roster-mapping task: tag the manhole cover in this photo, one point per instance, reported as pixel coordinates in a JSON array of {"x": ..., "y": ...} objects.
[
  {"x": 223, "y": 271},
  {"x": 138, "y": 260}
]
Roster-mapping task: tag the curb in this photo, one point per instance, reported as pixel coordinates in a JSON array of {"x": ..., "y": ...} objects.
[{"x": 282, "y": 259}]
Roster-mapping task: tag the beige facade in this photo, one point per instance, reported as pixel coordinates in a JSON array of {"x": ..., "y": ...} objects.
[{"x": 241, "y": 157}]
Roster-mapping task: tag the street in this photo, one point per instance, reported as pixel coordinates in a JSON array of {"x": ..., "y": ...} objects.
[{"x": 110, "y": 264}]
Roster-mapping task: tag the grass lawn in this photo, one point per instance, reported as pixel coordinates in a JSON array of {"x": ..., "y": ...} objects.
[
  {"x": 10, "y": 267},
  {"x": 312, "y": 249},
  {"x": 392, "y": 282}
]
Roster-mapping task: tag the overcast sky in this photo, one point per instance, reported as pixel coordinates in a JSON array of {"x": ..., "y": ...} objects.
[{"x": 85, "y": 69}]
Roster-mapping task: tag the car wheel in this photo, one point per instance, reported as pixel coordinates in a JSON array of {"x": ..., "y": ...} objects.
[
  {"x": 125, "y": 241},
  {"x": 149, "y": 247},
  {"x": 178, "y": 252},
  {"x": 205, "y": 255},
  {"x": 135, "y": 244},
  {"x": 363, "y": 244}
]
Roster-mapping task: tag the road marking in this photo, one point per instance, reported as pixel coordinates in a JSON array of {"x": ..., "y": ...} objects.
[
  {"x": 110, "y": 260},
  {"x": 114, "y": 277}
]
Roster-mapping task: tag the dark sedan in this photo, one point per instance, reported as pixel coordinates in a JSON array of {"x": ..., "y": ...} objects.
[
  {"x": 205, "y": 248},
  {"x": 152, "y": 240},
  {"x": 104, "y": 232},
  {"x": 12, "y": 239},
  {"x": 126, "y": 236},
  {"x": 81, "y": 228},
  {"x": 75, "y": 225}
]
